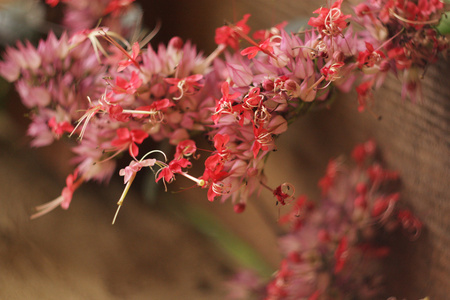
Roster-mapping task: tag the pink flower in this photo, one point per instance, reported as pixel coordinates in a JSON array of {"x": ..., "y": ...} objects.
[
  {"x": 134, "y": 167},
  {"x": 72, "y": 183},
  {"x": 33, "y": 96}
]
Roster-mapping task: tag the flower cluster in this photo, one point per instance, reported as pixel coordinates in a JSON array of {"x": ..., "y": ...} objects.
[
  {"x": 333, "y": 248},
  {"x": 116, "y": 95}
]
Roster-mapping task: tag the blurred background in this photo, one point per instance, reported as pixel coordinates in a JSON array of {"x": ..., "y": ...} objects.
[{"x": 182, "y": 246}]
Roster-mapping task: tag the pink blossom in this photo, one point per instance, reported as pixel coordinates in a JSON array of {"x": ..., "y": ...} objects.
[
  {"x": 240, "y": 74},
  {"x": 134, "y": 167}
]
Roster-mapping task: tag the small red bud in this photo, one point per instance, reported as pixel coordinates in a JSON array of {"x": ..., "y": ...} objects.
[
  {"x": 176, "y": 42},
  {"x": 239, "y": 208}
]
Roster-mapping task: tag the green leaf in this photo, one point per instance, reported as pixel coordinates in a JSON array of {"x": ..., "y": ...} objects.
[
  {"x": 227, "y": 241},
  {"x": 444, "y": 24}
]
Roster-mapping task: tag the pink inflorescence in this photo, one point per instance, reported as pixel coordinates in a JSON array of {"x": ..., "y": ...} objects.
[
  {"x": 115, "y": 95},
  {"x": 333, "y": 248}
]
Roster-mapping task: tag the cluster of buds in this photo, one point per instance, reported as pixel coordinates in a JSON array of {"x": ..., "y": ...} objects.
[
  {"x": 117, "y": 95},
  {"x": 333, "y": 248}
]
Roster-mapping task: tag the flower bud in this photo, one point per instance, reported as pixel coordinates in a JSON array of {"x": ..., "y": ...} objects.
[
  {"x": 176, "y": 42},
  {"x": 268, "y": 85},
  {"x": 239, "y": 208}
]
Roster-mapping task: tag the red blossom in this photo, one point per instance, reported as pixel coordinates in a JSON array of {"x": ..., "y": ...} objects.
[
  {"x": 363, "y": 151},
  {"x": 52, "y": 3},
  {"x": 370, "y": 56},
  {"x": 122, "y": 86},
  {"x": 398, "y": 55},
  {"x": 131, "y": 59},
  {"x": 341, "y": 254},
  {"x": 174, "y": 167},
  {"x": 115, "y": 7},
  {"x": 331, "y": 73},
  {"x": 185, "y": 148},
  {"x": 239, "y": 208},
  {"x": 263, "y": 139},
  {"x": 264, "y": 34},
  {"x": 226, "y": 35},
  {"x": 364, "y": 91},
  {"x": 265, "y": 47},
  {"x": 128, "y": 139},
  {"x": 383, "y": 205},
  {"x": 409, "y": 222},
  {"x": 225, "y": 104},
  {"x": 284, "y": 193},
  {"x": 186, "y": 85},
  {"x": 116, "y": 113},
  {"x": 58, "y": 128},
  {"x": 327, "y": 181},
  {"x": 72, "y": 183},
  {"x": 331, "y": 21}
]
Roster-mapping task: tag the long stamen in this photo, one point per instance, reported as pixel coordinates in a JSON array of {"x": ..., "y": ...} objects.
[
  {"x": 122, "y": 197},
  {"x": 316, "y": 84},
  {"x": 413, "y": 22},
  {"x": 125, "y": 52},
  {"x": 200, "y": 182}
]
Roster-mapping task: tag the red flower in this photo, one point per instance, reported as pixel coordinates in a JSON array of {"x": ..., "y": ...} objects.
[
  {"x": 116, "y": 6},
  {"x": 123, "y": 86},
  {"x": 263, "y": 138},
  {"x": 330, "y": 21},
  {"x": 265, "y": 47},
  {"x": 185, "y": 148},
  {"x": 131, "y": 59},
  {"x": 398, "y": 55},
  {"x": 59, "y": 128},
  {"x": 327, "y": 181},
  {"x": 369, "y": 57},
  {"x": 126, "y": 138},
  {"x": 224, "y": 105},
  {"x": 186, "y": 85},
  {"x": 364, "y": 91},
  {"x": 225, "y": 35},
  {"x": 284, "y": 193},
  {"x": 175, "y": 166},
  {"x": 341, "y": 254},
  {"x": 363, "y": 151},
  {"x": 331, "y": 73},
  {"x": 52, "y": 3}
]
